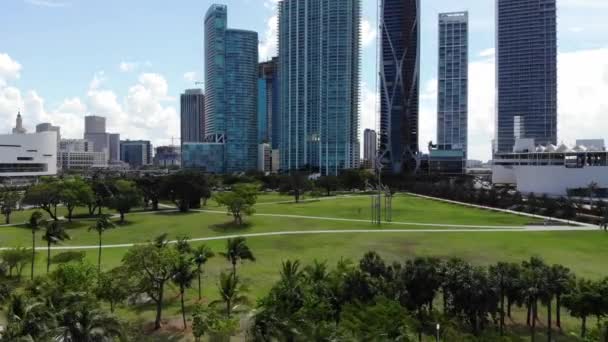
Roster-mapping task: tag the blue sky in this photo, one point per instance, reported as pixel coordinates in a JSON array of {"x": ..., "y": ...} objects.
[{"x": 130, "y": 59}]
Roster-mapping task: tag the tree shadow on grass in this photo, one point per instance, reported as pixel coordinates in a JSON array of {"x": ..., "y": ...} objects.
[
  {"x": 176, "y": 213},
  {"x": 231, "y": 227}
]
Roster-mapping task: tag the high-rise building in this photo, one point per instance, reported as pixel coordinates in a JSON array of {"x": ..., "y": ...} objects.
[
  {"x": 231, "y": 90},
  {"x": 114, "y": 139},
  {"x": 319, "y": 68},
  {"x": 268, "y": 103},
  {"x": 452, "y": 99},
  {"x": 102, "y": 141},
  {"x": 48, "y": 127},
  {"x": 136, "y": 153},
  {"x": 166, "y": 156},
  {"x": 192, "y": 116},
  {"x": 370, "y": 148},
  {"x": 526, "y": 72},
  {"x": 18, "y": 129},
  {"x": 399, "y": 84}
]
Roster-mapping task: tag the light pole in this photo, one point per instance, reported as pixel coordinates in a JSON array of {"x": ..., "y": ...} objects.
[{"x": 438, "y": 327}]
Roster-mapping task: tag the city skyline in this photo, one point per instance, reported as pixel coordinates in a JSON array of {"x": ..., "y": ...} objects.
[{"x": 136, "y": 81}]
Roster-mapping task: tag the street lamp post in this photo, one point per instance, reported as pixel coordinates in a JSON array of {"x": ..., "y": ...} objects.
[{"x": 438, "y": 327}]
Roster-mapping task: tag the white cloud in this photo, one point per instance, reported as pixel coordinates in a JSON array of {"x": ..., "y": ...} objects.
[
  {"x": 128, "y": 66},
  {"x": 9, "y": 68},
  {"x": 98, "y": 79},
  {"x": 268, "y": 45},
  {"x": 491, "y": 52},
  {"x": 191, "y": 76},
  {"x": 368, "y": 33}
]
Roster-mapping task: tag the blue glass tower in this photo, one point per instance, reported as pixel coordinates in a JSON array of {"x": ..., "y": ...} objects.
[
  {"x": 526, "y": 72},
  {"x": 319, "y": 66},
  {"x": 268, "y": 103},
  {"x": 399, "y": 84},
  {"x": 231, "y": 69},
  {"x": 452, "y": 100}
]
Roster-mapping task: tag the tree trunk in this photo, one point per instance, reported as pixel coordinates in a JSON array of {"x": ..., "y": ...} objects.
[
  {"x": 111, "y": 306},
  {"x": 502, "y": 311},
  {"x": 99, "y": 257},
  {"x": 33, "y": 251},
  {"x": 48, "y": 257},
  {"x": 159, "y": 307},
  {"x": 549, "y": 321},
  {"x": 7, "y": 218},
  {"x": 234, "y": 268},
  {"x": 558, "y": 309},
  {"x": 583, "y": 326},
  {"x": 509, "y": 307},
  {"x": 155, "y": 204},
  {"x": 122, "y": 217},
  {"x": 228, "y": 308},
  {"x": 200, "y": 296},
  {"x": 445, "y": 302},
  {"x": 55, "y": 210},
  {"x": 529, "y": 316},
  {"x": 70, "y": 210},
  {"x": 181, "y": 292},
  {"x": 533, "y": 321}
]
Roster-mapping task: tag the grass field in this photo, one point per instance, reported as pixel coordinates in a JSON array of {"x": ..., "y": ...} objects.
[{"x": 583, "y": 252}]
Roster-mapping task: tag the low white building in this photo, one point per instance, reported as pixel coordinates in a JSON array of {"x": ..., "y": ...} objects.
[
  {"x": 28, "y": 155},
  {"x": 78, "y": 154},
  {"x": 552, "y": 170}
]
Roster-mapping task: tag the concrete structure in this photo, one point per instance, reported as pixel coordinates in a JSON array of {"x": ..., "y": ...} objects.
[
  {"x": 80, "y": 155},
  {"x": 231, "y": 90},
  {"x": 208, "y": 156},
  {"x": 28, "y": 155},
  {"x": 75, "y": 145},
  {"x": 48, "y": 127},
  {"x": 268, "y": 103},
  {"x": 452, "y": 100},
  {"x": 136, "y": 153},
  {"x": 192, "y": 114},
  {"x": 167, "y": 156},
  {"x": 95, "y": 132},
  {"x": 370, "y": 148},
  {"x": 549, "y": 169},
  {"x": 276, "y": 161},
  {"x": 114, "y": 140},
  {"x": 526, "y": 72},
  {"x": 18, "y": 129},
  {"x": 443, "y": 162},
  {"x": 264, "y": 157},
  {"x": 319, "y": 69},
  {"x": 399, "y": 84}
]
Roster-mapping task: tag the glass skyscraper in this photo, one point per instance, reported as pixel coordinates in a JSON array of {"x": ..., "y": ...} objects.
[
  {"x": 526, "y": 72},
  {"x": 399, "y": 84},
  {"x": 268, "y": 103},
  {"x": 452, "y": 100},
  {"x": 231, "y": 90},
  {"x": 319, "y": 67},
  {"x": 192, "y": 113}
]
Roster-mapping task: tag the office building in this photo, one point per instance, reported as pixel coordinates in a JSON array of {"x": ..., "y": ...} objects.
[
  {"x": 452, "y": 94},
  {"x": 19, "y": 129},
  {"x": 553, "y": 170},
  {"x": 192, "y": 104},
  {"x": 319, "y": 68},
  {"x": 264, "y": 157},
  {"x": 526, "y": 72},
  {"x": 136, "y": 153},
  {"x": 80, "y": 155},
  {"x": 399, "y": 84},
  {"x": 207, "y": 157},
  {"x": 370, "y": 148},
  {"x": 268, "y": 103},
  {"x": 114, "y": 140},
  {"x": 28, "y": 155},
  {"x": 47, "y": 127},
  {"x": 231, "y": 90},
  {"x": 167, "y": 156},
  {"x": 95, "y": 132}
]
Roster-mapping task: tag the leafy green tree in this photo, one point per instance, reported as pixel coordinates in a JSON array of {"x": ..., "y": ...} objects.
[
  {"x": 353, "y": 179},
  {"x": 563, "y": 282},
  {"x": 34, "y": 224},
  {"x": 201, "y": 255},
  {"x": 329, "y": 183},
  {"x": 232, "y": 293},
  {"x": 183, "y": 275},
  {"x": 9, "y": 201},
  {"x": 151, "y": 187},
  {"x": 15, "y": 259},
  {"x": 69, "y": 256},
  {"x": 153, "y": 268},
  {"x": 500, "y": 275},
  {"x": 384, "y": 320},
  {"x": 183, "y": 246},
  {"x": 237, "y": 250},
  {"x": 295, "y": 183},
  {"x": 45, "y": 195},
  {"x": 74, "y": 192},
  {"x": 581, "y": 302},
  {"x": 534, "y": 277},
  {"x": 102, "y": 224},
  {"x": 207, "y": 321},
  {"x": 185, "y": 189},
  {"x": 115, "y": 286},
  {"x": 102, "y": 192},
  {"x": 240, "y": 201},
  {"x": 54, "y": 233},
  {"x": 28, "y": 319},
  {"x": 84, "y": 322},
  {"x": 125, "y": 197}
]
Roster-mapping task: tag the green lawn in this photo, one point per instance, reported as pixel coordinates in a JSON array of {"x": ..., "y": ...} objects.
[{"x": 583, "y": 252}]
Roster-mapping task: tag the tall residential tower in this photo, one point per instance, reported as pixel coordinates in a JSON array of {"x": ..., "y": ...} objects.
[
  {"x": 526, "y": 72},
  {"x": 452, "y": 100},
  {"x": 319, "y": 67},
  {"x": 192, "y": 113},
  {"x": 399, "y": 84}
]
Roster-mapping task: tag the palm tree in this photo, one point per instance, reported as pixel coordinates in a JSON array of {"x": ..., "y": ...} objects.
[
  {"x": 563, "y": 282},
  {"x": 103, "y": 223},
  {"x": 85, "y": 323},
  {"x": 28, "y": 319},
  {"x": 183, "y": 275},
  {"x": 231, "y": 292},
  {"x": 53, "y": 234},
  {"x": 202, "y": 254},
  {"x": 34, "y": 224},
  {"x": 237, "y": 249}
]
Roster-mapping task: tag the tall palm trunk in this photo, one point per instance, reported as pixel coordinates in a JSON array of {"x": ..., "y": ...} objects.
[
  {"x": 549, "y": 320},
  {"x": 48, "y": 257},
  {"x": 583, "y": 326},
  {"x": 502, "y": 311},
  {"x": 159, "y": 307},
  {"x": 533, "y": 321},
  {"x": 234, "y": 268},
  {"x": 33, "y": 251},
  {"x": 200, "y": 295},
  {"x": 181, "y": 292},
  {"x": 558, "y": 309},
  {"x": 99, "y": 257}
]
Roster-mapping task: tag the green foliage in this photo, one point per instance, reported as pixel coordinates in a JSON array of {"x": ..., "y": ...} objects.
[
  {"x": 69, "y": 256},
  {"x": 185, "y": 189},
  {"x": 151, "y": 188},
  {"x": 237, "y": 250},
  {"x": 329, "y": 183},
  {"x": 45, "y": 195},
  {"x": 74, "y": 192},
  {"x": 9, "y": 201},
  {"x": 207, "y": 321},
  {"x": 295, "y": 184},
  {"x": 232, "y": 293},
  {"x": 115, "y": 286},
  {"x": 75, "y": 277},
  {"x": 54, "y": 233},
  {"x": 15, "y": 260},
  {"x": 240, "y": 201},
  {"x": 384, "y": 320},
  {"x": 125, "y": 197}
]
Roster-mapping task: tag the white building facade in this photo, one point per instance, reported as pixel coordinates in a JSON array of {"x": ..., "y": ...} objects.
[{"x": 28, "y": 155}]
